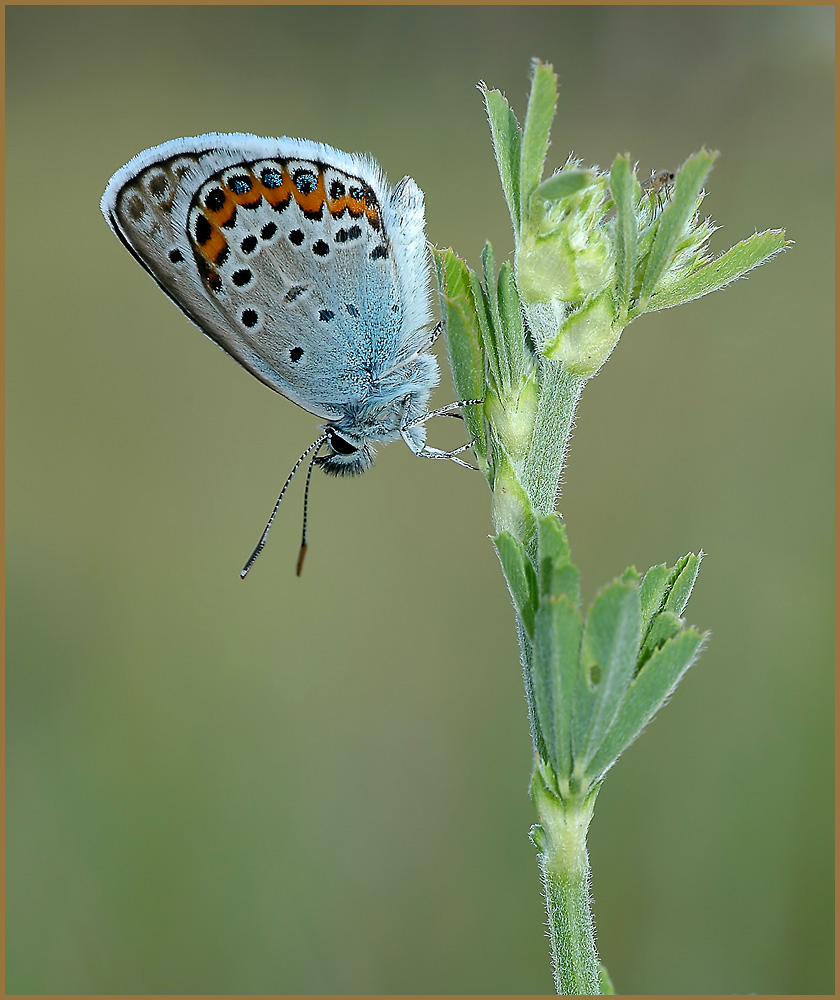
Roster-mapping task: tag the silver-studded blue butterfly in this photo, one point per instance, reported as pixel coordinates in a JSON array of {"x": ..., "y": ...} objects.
[{"x": 301, "y": 263}]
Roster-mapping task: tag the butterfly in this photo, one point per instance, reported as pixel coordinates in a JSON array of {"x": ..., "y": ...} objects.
[{"x": 301, "y": 263}]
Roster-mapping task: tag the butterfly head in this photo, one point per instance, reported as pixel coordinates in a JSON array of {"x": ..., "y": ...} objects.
[
  {"x": 349, "y": 454},
  {"x": 384, "y": 417}
]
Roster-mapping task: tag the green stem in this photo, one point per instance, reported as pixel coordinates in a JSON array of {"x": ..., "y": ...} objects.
[
  {"x": 527, "y": 484},
  {"x": 530, "y": 482},
  {"x": 564, "y": 865},
  {"x": 527, "y": 475},
  {"x": 559, "y": 395}
]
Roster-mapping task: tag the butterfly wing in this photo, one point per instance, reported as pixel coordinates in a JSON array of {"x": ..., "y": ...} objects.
[{"x": 293, "y": 257}]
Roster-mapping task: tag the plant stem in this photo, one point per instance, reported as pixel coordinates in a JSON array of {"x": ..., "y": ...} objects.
[
  {"x": 559, "y": 395},
  {"x": 564, "y": 865},
  {"x": 537, "y": 467},
  {"x": 528, "y": 487}
]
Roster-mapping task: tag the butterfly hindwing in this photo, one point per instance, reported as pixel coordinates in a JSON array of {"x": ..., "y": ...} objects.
[{"x": 294, "y": 257}]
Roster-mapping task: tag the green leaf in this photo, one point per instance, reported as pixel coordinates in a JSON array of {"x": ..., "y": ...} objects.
[
  {"x": 557, "y": 575},
  {"x": 608, "y": 657},
  {"x": 562, "y": 184},
  {"x": 537, "y": 836},
  {"x": 625, "y": 192},
  {"x": 652, "y": 594},
  {"x": 488, "y": 332},
  {"x": 607, "y": 988},
  {"x": 663, "y": 627},
  {"x": 508, "y": 374},
  {"x": 680, "y": 590},
  {"x": 463, "y": 340},
  {"x": 510, "y": 320},
  {"x": 507, "y": 144},
  {"x": 646, "y": 695},
  {"x": 565, "y": 581},
  {"x": 730, "y": 266},
  {"x": 553, "y": 545},
  {"x": 675, "y": 217},
  {"x": 666, "y": 589},
  {"x": 512, "y": 508},
  {"x": 521, "y": 578},
  {"x": 541, "y": 106},
  {"x": 557, "y": 637},
  {"x": 586, "y": 337}
]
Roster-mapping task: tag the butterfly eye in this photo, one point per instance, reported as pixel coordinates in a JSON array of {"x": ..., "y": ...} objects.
[{"x": 342, "y": 447}]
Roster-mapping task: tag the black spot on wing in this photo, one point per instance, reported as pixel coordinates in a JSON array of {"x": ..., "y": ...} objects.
[
  {"x": 305, "y": 181},
  {"x": 203, "y": 229},
  {"x": 271, "y": 177},
  {"x": 240, "y": 184},
  {"x": 344, "y": 235},
  {"x": 159, "y": 185},
  {"x": 215, "y": 199}
]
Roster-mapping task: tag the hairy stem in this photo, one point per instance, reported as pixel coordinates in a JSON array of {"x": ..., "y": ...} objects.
[
  {"x": 559, "y": 395},
  {"x": 564, "y": 866}
]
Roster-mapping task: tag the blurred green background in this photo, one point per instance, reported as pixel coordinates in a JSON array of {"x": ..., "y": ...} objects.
[{"x": 320, "y": 785}]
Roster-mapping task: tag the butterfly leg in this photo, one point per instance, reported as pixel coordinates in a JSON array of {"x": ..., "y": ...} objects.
[
  {"x": 438, "y": 330},
  {"x": 428, "y": 452},
  {"x": 444, "y": 411}
]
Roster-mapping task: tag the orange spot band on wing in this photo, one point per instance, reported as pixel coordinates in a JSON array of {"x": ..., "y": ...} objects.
[
  {"x": 356, "y": 205},
  {"x": 248, "y": 198},
  {"x": 314, "y": 201},
  {"x": 277, "y": 195},
  {"x": 222, "y": 215},
  {"x": 211, "y": 249},
  {"x": 372, "y": 214},
  {"x": 337, "y": 205},
  {"x": 364, "y": 205}
]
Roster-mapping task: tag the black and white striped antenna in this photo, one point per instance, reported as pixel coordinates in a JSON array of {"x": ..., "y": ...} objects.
[{"x": 261, "y": 543}]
